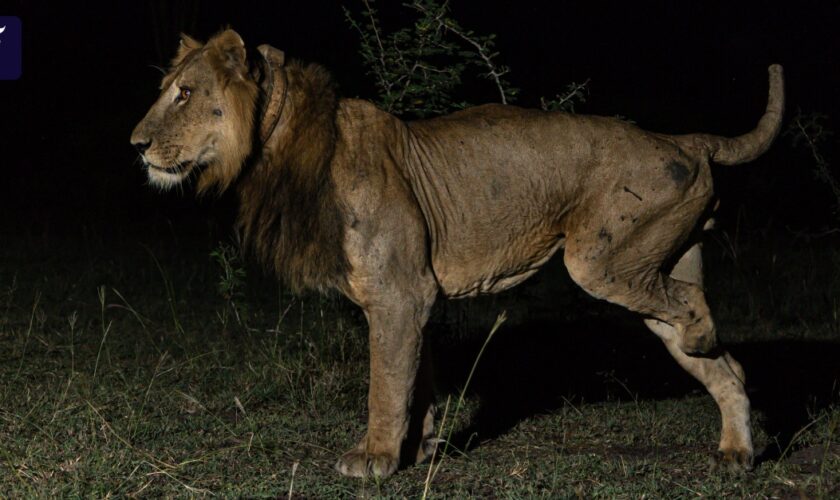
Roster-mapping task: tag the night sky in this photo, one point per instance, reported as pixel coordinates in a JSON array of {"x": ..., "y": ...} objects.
[{"x": 88, "y": 78}]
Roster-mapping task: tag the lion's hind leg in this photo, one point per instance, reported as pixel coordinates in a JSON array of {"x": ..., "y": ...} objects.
[
  {"x": 421, "y": 441},
  {"x": 624, "y": 266},
  {"x": 631, "y": 275},
  {"x": 722, "y": 376}
]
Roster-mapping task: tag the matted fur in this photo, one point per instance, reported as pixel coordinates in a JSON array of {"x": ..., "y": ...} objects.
[{"x": 289, "y": 214}]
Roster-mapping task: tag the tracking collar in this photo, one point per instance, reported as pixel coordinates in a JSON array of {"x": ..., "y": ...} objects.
[{"x": 274, "y": 91}]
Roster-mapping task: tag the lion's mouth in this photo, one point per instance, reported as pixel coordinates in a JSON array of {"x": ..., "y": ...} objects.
[
  {"x": 172, "y": 174},
  {"x": 173, "y": 170},
  {"x": 179, "y": 168},
  {"x": 167, "y": 170}
]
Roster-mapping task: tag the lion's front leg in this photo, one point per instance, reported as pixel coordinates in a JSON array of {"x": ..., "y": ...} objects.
[{"x": 395, "y": 354}]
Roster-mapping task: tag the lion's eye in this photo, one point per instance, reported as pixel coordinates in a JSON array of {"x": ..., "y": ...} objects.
[{"x": 183, "y": 94}]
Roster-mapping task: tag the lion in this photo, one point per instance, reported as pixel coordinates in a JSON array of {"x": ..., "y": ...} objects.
[{"x": 336, "y": 194}]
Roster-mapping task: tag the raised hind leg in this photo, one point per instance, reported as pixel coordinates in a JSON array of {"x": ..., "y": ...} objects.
[
  {"x": 720, "y": 373},
  {"x": 623, "y": 264}
]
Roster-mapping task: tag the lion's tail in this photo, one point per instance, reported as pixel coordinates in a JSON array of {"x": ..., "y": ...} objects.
[{"x": 748, "y": 147}]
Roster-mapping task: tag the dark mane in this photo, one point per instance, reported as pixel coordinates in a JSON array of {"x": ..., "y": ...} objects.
[{"x": 289, "y": 215}]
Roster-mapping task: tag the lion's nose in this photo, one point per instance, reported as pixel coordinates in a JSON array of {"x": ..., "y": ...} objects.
[{"x": 142, "y": 145}]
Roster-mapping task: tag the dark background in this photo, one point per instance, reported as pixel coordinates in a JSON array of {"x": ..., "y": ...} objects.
[
  {"x": 70, "y": 176},
  {"x": 88, "y": 78}
]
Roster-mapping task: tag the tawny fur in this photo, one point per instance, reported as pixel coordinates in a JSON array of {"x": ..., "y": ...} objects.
[{"x": 392, "y": 214}]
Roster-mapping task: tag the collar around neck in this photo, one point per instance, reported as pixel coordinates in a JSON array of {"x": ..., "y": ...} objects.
[{"x": 275, "y": 87}]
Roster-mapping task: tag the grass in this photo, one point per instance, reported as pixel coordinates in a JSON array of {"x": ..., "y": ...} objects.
[{"x": 123, "y": 375}]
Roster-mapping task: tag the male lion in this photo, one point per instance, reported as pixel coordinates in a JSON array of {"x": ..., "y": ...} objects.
[{"x": 337, "y": 194}]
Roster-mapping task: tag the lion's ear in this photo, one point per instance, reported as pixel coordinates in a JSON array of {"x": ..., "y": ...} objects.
[
  {"x": 229, "y": 52},
  {"x": 272, "y": 55},
  {"x": 186, "y": 45}
]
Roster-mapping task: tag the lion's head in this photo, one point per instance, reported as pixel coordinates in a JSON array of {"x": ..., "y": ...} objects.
[
  {"x": 269, "y": 126},
  {"x": 202, "y": 124}
]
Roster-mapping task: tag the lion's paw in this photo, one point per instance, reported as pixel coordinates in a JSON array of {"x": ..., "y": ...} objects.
[
  {"x": 358, "y": 463},
  {"x": 427, "y": 449},
  {"x": 733, "y": 460}
]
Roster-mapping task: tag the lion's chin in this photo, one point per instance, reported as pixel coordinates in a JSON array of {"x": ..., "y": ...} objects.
[{"x": 167, "y": 177}]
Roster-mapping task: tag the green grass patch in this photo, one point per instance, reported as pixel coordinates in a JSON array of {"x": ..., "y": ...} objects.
[{"x": 131, "y": 371}]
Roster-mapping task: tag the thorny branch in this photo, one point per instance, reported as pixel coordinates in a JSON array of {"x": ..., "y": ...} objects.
[
  {"x": 483, "y": 49},
  {"x": 418, "y": 68},
  {"x": 575, "y": 93}
]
